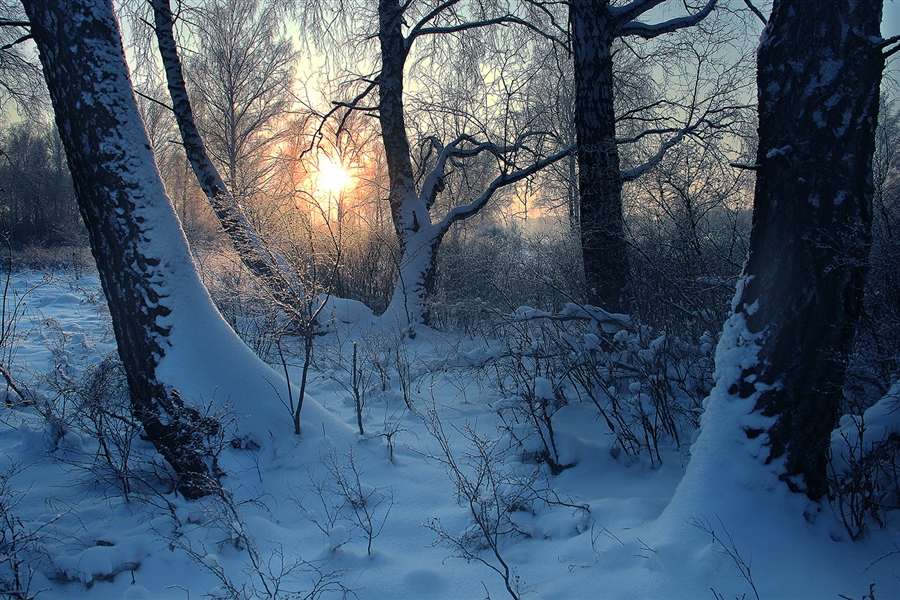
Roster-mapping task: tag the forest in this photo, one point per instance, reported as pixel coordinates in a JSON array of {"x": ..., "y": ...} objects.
[{"x": 449, "y": 299}]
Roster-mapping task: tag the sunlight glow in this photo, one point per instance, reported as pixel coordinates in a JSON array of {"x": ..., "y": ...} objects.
[{"x": 333, "y": 177}]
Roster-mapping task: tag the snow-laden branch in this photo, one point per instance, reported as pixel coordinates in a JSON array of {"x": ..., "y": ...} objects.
[
  {"x": 507, "y": 178},
  {"x": 417, "y": 28},
  {"x": 573, "y": 311},
  {"x": 12, "y": 23},
  {"x": 883, "y": 45},
  {"x": 434, "y": 181},
  {"x": 8, "y": 46},
  {"x": 647, "y": 31}
]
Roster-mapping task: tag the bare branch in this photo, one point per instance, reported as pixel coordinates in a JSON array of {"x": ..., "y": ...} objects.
[
  {"x": 463, "y": 212},
  {"x": 414, "y": 33},
  {"x": 561, "y": 28},
  {"x": 756, "y": 12},
  {"x": 154, "y": 100},
  {"x": 505, "y": 20},
  {"x": 630, "y": 113},
  {"x": 646, "y": 132},
  {"x": 348, "y": 107},
  {"x": 651, "y": 31},
  {"x": 632, "y": 174},
  {"x": 10, "y": 23}
]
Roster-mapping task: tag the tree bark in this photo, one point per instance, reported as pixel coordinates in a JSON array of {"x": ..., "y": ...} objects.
[
  {"x": 818, "y": 81},
  {"x": 595, "y": 25},
  {"x": 603, "y": 244},
  {"x": 134, "y": 234},
  {"x": 393, "y": 125}
]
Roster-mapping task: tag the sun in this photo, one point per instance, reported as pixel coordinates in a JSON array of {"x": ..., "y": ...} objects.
[{"x": 333, "y": 177}]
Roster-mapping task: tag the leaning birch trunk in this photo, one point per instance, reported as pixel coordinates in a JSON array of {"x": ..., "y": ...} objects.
[
  {"x": 252, "y": 250},
  {"x": 134, "y": 234}
]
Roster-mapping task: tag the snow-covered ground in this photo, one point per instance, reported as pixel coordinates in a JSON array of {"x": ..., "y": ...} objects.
[{"x": 386, "y": 514}]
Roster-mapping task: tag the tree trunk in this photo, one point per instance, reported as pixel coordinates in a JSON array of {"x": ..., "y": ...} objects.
[
  {"x": 134, "y": 234},
  {"x": 818, "y": 81},
  {"x": 416, "y": 276},
  {"x": 403, "y": 197},
  {"x": 604, "y": 248},
  {"x": 409, "y": 212},
  {"x": 419, "y": 237},
  {"x": 244, "y": 238}
]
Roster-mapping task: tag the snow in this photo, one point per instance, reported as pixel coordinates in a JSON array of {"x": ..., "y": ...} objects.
[
  {"x": 622, "y": 528},
  {"x": 877, "y": 423}
]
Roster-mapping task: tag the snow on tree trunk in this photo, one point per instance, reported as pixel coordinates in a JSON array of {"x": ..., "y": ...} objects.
[
  {"x": 604, "y": 248},
  {"x": 417, "y": 270},
  {"x": 174, "y": 345},
  {"x": 781, "y": 360},
  {"x": 410, "y": 214},
  {"x": 119, "y": 197},
  {"x": 418, "y": 235}
]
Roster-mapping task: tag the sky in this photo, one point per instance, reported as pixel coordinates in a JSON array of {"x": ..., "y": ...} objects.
[{"x": 890, "y": 24}]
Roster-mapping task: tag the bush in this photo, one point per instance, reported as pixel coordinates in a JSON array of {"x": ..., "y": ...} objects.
[
  {"x": 647, "y": 385},
  {"x": 865, "y": 465}
]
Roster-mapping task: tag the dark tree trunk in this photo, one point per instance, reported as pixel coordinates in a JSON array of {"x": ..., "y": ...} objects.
[
  {"x": 818, "y": 75},
  {"x": 595, "y": 25},
  {"x": 604, "y": 248},
  {"x": 120, "y": 197}
]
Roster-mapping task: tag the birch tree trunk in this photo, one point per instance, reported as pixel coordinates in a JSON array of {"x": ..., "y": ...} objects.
[
  {"x": 141, "y": 253},
  {"x": 246, "y": 241},
  {"x": 410, "y": 214},
  {"x": 418, "y": 233}
]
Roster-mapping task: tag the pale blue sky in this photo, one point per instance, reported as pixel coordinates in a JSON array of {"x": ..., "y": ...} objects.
[{"x": 890, "y": 24}]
